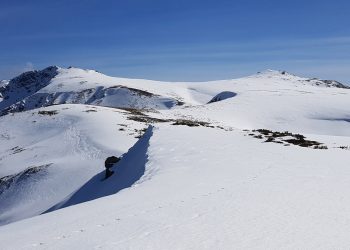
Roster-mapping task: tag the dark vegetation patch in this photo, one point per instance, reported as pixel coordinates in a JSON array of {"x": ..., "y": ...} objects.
[
  {"x": 185, "y": 122},
  {"x": 320, "y": 147},
  {"x": 90, "y": 110},
  {"x": 48, "y": 112},
  {"x": 7, "y": 181},
  {"x": 280, "y": 137},
  {"x": 191, "y": 123},
  {"x": 133, "y": 111},
  {"x": 220, "y": 127},
  {"x": 140, "y": 132},
  {"x": 146, "y": 119},
  {"x": 139, "y": 116},
  {"x": 137, "y": 133},
  {"x": 305, "y": 143},
  {"x": 16, "y": 150},
  {"x": 139, "y": 92}
]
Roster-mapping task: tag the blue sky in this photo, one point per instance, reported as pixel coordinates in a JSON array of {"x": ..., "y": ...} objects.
[{"x": 190, "y": 40}]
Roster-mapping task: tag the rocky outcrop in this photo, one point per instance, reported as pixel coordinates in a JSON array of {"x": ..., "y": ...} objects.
[{"x": 25, "y": 85}]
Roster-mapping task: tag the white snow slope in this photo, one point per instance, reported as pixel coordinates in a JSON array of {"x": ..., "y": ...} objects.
[
  {"x": 218, "y": 184},
  {"x": 46, "y": 157}
]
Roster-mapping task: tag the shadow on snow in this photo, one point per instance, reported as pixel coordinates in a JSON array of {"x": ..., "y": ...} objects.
[{"x": 126, "y": 172}]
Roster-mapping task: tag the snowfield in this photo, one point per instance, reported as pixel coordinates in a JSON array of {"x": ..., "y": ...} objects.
[
  {"x": 260, "y": 162},
  {"x": 47, "y": 156}
]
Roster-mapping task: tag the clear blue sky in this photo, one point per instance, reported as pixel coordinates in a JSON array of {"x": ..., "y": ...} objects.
[{"x": 177, "y": 39}]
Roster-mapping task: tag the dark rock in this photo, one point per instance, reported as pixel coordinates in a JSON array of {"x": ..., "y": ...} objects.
[{"x": 109, "y": 162}]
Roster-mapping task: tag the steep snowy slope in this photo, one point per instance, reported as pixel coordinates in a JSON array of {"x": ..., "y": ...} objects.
[
  {"x": 25, "y": 85},
  {"x": 206, "y": 188},
  {"x": 48, "y": 153}
]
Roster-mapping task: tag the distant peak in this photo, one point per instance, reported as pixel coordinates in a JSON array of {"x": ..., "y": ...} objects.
[
  {"x": 286, "y": 76},
  {"x": 73, "y": 68},
  {"x": 50, "y": 71},
  {"x": 34, "y": 79},
  {"x": 274, "y": 72},
  {"x": 51, "y": 68}
]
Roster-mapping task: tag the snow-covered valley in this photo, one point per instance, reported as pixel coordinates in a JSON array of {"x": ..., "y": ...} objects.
[{"x": 260, "y": 162}]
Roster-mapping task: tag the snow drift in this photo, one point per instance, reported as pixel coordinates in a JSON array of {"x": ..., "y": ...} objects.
[{"x": 126, "y": 173}]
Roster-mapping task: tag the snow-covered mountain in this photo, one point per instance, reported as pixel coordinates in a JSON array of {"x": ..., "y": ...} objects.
[
  {"x": 55, "y": 85},
  {"x": 25, "y": 85},
  {"x": 256, "y": 162}
]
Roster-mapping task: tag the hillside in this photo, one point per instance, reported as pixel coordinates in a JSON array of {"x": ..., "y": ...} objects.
[{"x": 255, "y": 162}]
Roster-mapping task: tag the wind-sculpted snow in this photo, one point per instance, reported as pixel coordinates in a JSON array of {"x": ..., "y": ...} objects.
[{"x": 126, "y": 173}]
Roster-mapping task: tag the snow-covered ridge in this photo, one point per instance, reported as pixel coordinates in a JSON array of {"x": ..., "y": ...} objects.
[
  {"x": 281, "y": 75},
  {"x": 54, "y": 85}
]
